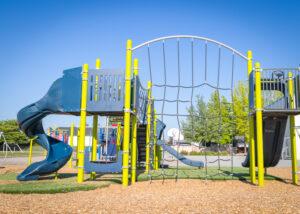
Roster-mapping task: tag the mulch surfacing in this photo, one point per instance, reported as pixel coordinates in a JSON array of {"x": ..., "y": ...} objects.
[{"x": 183, "y": 196}]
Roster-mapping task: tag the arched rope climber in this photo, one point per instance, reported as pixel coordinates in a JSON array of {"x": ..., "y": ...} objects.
[{"x": 185, "y": 72}]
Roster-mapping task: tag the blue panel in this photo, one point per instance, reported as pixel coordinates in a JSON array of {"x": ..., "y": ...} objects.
[
  {"x": 89, "y": 166},
  {"x": 71, "y": 90},
  {"x": 160, "y": 126},
  {"x": 251, "y": 90},
  {"x": 105, "y": 91},
  {"x": 141, "y": 100}
]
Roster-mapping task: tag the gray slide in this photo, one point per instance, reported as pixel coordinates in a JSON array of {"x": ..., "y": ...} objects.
[
  {"x": 273, "y": 138},
  {"x": 180, "y": 157}
]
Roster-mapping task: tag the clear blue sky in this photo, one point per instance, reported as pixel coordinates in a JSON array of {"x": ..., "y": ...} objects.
[{"x": 39, "y": 39}]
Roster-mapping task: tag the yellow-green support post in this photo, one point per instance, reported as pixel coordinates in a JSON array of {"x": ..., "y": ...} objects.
[
  {"x": 292, "y": 130},
  {"x": 259, "y": 125},
  {"x": 30, "y": 151},
  {"x": 81, "y": 145},
  {"x": 118, "y": 137},
  {"x": 95, "y": 122},
  {"x": 159, "y": 155},
  {"x": 134, "y": 129},
  {"x": 148, "y": 128},
  {"x": 251, "y": 128},
  {"x": 127, "y": 99},
  {"x": 78, "y": 139},
  {"x": 155, "y": 147},
  {"x": 71, "y": 143}
]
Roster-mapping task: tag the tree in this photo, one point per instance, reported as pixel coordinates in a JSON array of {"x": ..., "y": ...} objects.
[
  {"x": 209, "y": 122},
  {"x": 219, "y": 120},
  {"x": 194, "y": 128},
  {"x": 241, "y": 110},
  {"x": 219, "y": 123},
  {"x": 12, "y": 133}
]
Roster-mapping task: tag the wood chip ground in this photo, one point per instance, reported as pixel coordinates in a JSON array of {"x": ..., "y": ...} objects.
[{"x": 183, "y": 196}]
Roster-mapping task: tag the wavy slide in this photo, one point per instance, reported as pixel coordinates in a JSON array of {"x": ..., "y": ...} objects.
[{"x": 63, "y": 97}]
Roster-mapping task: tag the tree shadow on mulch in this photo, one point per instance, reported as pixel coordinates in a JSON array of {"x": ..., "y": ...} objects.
[
  {"x": 110, "y": 177},
  {"x": 59, "y": 176},
  {"x": 244, "y": 177}
]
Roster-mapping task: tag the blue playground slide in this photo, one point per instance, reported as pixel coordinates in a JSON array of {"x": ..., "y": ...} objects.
[
  {"x": 178, "y": 156},
  {"x": 63, "y": 97}
]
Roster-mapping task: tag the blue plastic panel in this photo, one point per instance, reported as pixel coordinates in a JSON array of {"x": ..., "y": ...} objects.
[
  {"x": 140, "y": 100},
  {"x": 71, "y": 90},
  {"x": 251, "y": 90},
  {"x": 105, "y": 91},
  {"x": 90, "y": 166}
]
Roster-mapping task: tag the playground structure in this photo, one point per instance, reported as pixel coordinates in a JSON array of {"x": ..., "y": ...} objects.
[{"x": 107, "y": 92}]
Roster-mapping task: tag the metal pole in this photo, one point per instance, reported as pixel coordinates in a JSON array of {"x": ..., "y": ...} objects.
[
  {"x": 134, "y": 127},
  {"x": 30, "y": 152},
  {"x": 127, "y": 99},
  {"x": 71, "y": 143},
  {"x": 81, "y": 145},
  {"x": 148, "y": 132},
  {"x": 106, "y": 137},
  {"x": 118, "y": 138},
  {"x": 259, "y": 126},
  {"x": 155, "y": 147},
  {"x": 95, "y": 121},
  {"x": 78, "y": 139},
  {"x": 292, "y": 130},
  {"x": 251, "y": 127}
]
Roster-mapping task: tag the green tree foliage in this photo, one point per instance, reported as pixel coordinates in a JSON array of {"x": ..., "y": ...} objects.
[
  {"x": 218, "y": 120},
  {"x": 195, "y": 126},
  {"x": 11, "y": 131},
  {"x": 241, "y": 110}
]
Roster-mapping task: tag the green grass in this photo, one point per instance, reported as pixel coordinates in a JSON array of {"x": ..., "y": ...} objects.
[
  {"x": 213, "y": 173},
  {"x": 36, "y": 151},
  {"x": 66, "y": 182},
  {"x": 45, "y": 187},
  {"x": 49, "y": 185},
  {"x": 8, "y": 176}
]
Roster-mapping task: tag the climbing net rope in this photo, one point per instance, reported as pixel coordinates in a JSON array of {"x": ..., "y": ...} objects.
[{"x": 195, "y": 84}]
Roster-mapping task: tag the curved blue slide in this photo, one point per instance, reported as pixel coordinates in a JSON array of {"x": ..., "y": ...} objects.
[{"x": 63, "y": 97}]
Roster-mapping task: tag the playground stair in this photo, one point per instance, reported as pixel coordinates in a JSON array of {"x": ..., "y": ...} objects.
[{"x": 141, "y": 143}]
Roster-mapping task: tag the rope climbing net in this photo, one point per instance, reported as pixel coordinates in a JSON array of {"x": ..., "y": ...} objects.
[{"x": 199, "y": 90}]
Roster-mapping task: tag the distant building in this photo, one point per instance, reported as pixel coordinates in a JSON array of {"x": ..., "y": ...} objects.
[{"x": 88, "y": 134}]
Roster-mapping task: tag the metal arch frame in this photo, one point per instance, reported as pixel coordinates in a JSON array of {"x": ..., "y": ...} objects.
[{"x": 190, "y": 37}]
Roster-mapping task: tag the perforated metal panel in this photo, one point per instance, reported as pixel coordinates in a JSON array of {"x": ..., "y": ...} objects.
[{"x": 105, "y": 91}]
